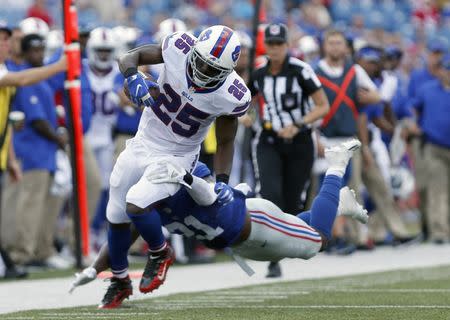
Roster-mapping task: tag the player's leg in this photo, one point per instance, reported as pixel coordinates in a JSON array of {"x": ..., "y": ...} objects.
[
  {"x": 325, "y": 205},
  {"x": 141, "y": 199},
  {"x": 127, "y": 171},
  {"x": 276, "y": 235},
  {"x": 104, "y": 156}
]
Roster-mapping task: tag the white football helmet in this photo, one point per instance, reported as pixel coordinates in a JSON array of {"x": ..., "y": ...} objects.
[
  {"x": 309, "y": 47},
  {"x": 126, "y": 38},
  {"x": 245, "y": 39},
  {"x": 34, "y": 26},
  {"x": 55, "y": 41},
  {"x": 169, "y": 26},
  {"x": 213, "y": 57},
  {"x": 101, "y": 48}
]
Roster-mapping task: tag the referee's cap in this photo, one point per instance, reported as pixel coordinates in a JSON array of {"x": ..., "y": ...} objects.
[{"x": 276, "y": 33}]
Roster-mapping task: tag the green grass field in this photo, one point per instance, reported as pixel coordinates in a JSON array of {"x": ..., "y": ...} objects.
[{"x": 412, "y": 294}]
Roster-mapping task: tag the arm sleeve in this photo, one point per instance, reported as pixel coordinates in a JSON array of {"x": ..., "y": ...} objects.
[
  {"x": 175, "y": 45},
  {"x": 242, "y": 109},
  {"x": 373, "y": 111},
  {"x": 86, "y": 102},
  {"x": 202, "y": 192},
  {"x": 253, "y": 85},
  {"x": 363, "y": 80},
  {"x": 308, "y": 80},
  {"x": 3, "y": 70}
]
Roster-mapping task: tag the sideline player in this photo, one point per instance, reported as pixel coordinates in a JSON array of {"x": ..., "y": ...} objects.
[
  {"x": 256, "y": 229},
  {"x": 104, "y": 77},
  {"x": 197, "y": 85}
]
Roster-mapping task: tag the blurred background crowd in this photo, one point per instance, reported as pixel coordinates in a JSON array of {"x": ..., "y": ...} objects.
[{"x": 402, "y": 45}]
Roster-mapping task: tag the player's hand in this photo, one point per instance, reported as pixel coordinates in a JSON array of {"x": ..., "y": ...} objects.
[
  {"x": 246, "y": 120},
  {"x": 288, "y": 132},
  {"x": 166, "y": 172},
  {"x": 367, "y": 157},
  {"x": 15, "y": 171},
  {"x": 139, "y": 90},
  {"x": 87, "y": 275},
  {"x": 224, "y": 193},
  {"x": 61, "y": 64}
]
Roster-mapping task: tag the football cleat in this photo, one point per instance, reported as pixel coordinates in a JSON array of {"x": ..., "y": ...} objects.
[
  {"x": 156, "y": 269},
  {"x": 339, "y": 156},
  {"x": 349, "y": 206},
  {"x": 87, "y": 275},
  {"x": 118, "y": 290}
]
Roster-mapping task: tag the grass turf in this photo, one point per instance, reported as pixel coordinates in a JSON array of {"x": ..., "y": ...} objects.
[{"x": 407, "y": 294}]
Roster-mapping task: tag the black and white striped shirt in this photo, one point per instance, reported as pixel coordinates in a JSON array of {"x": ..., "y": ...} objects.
[{"x": 287, "y": 94}]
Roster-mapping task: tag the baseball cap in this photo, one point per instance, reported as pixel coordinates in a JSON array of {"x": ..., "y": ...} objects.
[
  {"x": 438, "y": 44},
  {"x": 370, "y": 53},
  {"x": 32, "y": 41},
  {"x": 276, "y": 33},
  {"x": 393, "y": 52},
  {"x": 4, "y": 27}
]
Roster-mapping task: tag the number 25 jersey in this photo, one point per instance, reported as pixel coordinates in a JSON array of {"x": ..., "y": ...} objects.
[{"x": 179, "y": 121}]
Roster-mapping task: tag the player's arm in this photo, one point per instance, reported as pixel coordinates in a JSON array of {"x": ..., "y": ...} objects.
[
  {"x": 226, "y": 127},
  {"x": 144, "y": 55},
  {"x": 363, "y": 135},
  {"x": 383, "y": 124},
  {"x": 321, "y": 107},
  {"x": 367, "y": 90},
  {"x": 31, "y": 76},
  {"x": 311, "y": 86},
  {"x": 128, "y": 65},
  {"x": 44, "y": 128}
]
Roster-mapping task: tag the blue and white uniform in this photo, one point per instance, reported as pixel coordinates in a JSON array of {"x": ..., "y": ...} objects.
[
  {"x": 275, "y": 235},
  {"x": 105, "y": 102},
  {"x": 172, "y": 130}
]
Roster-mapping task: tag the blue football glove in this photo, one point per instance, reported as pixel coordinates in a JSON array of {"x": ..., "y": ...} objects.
[
  {"x": 138, "y": 89},
  {"x": 224, "y": 193}
]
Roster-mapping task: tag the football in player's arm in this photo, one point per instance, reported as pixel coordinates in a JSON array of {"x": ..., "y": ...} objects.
[{"x": 138, "y": 89}]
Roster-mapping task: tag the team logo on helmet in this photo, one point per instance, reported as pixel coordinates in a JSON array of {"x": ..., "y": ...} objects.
[{"x": 236, "y": 53}]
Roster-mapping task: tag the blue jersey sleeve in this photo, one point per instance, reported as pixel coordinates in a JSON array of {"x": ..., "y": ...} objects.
[
  {"x": 118, "y": 82},
  {"x": 373, "y": 111},
  {"x": 86, "y": 101}
]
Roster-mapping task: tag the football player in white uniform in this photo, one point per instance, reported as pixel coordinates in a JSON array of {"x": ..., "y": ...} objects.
[
  {"x": 104, "y": 77},
  {"x": 197, "y": 86}
]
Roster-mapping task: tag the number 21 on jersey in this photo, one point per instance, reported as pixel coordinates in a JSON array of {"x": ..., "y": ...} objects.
[{"x": 190, "y": 222}]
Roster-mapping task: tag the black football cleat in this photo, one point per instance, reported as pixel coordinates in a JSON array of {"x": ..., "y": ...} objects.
[
  {"x": 156, "y": 269},
  {"x": 118, "y": 290}
]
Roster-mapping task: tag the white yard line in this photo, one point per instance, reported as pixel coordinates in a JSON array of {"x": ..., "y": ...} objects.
[{"x": 52, "y": 293}]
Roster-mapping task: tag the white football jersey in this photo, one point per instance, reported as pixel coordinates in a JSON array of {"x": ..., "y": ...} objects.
[
  {"x": 105, "y": 104},
  {"x": 180, "y": 120}
]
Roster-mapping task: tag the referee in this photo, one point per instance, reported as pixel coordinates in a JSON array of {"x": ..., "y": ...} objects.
[{"x": 292, "y": 99}]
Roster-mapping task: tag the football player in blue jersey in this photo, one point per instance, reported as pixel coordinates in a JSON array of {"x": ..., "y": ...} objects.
[{"x": 223, "y": 217}]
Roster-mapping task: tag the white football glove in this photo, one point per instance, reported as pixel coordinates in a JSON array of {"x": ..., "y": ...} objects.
[
  {"x": 167, "y": 172},
  {"x": 87, "y": 275}
]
